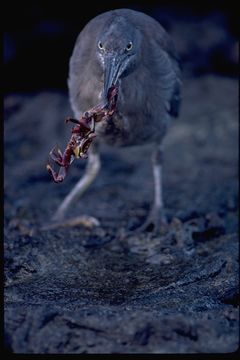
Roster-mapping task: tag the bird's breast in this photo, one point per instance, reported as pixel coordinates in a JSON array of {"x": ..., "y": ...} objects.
[
  {"x": 133, "y": 123},
  {"x": 126, "y": 130},
  {"x": 115, "y": 130}
]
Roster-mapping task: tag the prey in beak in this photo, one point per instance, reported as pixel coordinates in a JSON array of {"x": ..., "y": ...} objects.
[{"x": 113, "y": 66}]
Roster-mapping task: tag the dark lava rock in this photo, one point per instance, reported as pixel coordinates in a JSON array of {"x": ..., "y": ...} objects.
[{"x": 105, "y": 290}]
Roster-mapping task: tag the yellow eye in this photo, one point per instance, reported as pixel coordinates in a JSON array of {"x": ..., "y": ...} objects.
[
  {"x": 100, "y": 45},
  {"x": 129, "y": 46}
]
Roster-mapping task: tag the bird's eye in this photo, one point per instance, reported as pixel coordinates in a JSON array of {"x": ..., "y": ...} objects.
[
  {"x": 129, "y": 46},
  {"x": 100, "y": 45}
]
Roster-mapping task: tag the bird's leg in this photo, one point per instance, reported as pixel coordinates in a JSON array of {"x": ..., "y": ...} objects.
[
  {"x": 92, "y": 169},
  {"x": 156, "y": 217}
]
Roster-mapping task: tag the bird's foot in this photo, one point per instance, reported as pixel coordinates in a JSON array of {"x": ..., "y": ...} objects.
[
  {"x": 83, "y": 220},
  {"x": 156, "y": 222}
]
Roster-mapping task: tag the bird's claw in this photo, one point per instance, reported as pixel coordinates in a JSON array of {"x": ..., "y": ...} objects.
[
  {"x": 156, "y": 222},
  {"x": 83, "y": 220}
]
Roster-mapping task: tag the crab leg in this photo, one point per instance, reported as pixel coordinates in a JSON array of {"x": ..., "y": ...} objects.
[
  {"x": 57, "y": 155},
  {"x": 57, "y": 177}
]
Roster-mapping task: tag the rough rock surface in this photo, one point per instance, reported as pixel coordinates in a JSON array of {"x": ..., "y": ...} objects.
[{"x": 75, "y": 290}]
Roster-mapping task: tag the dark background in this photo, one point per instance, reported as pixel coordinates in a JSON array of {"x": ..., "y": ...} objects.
[
  {"x": 78, "y": 290},
  {"x": 39, "y": 37}
]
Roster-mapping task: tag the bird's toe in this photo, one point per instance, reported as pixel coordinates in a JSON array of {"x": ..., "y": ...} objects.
[
  {"x": 83, "y": 220},
  {"x": 156, "y": 222}
]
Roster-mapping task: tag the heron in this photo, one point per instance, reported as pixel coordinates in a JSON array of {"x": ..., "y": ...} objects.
[{"x": 132, "y": 50}]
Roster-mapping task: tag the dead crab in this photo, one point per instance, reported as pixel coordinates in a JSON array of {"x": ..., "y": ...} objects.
[{"x": 82, "y": 136}]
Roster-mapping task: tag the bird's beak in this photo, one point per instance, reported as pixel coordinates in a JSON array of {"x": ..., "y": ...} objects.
[{"x": 112, "y": 72}]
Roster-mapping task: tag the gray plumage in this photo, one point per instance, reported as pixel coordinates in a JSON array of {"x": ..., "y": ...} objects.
[
  {"x": 131, "y": 50},
  {"x": 149, "y": 92}
]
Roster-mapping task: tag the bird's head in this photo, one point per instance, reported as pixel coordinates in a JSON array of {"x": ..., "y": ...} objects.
[{"x": 117, "y": 50}]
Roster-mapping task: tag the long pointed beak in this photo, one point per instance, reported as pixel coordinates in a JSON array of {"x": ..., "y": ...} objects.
[{"x": 112, "y": 72}]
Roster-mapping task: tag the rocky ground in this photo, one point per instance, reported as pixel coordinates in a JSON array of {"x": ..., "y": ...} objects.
[{"x": 75, "y": 290}]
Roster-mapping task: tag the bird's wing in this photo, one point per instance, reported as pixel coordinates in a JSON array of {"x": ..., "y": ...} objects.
[
  {"x": 168, "y": 68},
  {"x": 168, "y": 47},
  {"x": 175, "y": 101}
]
